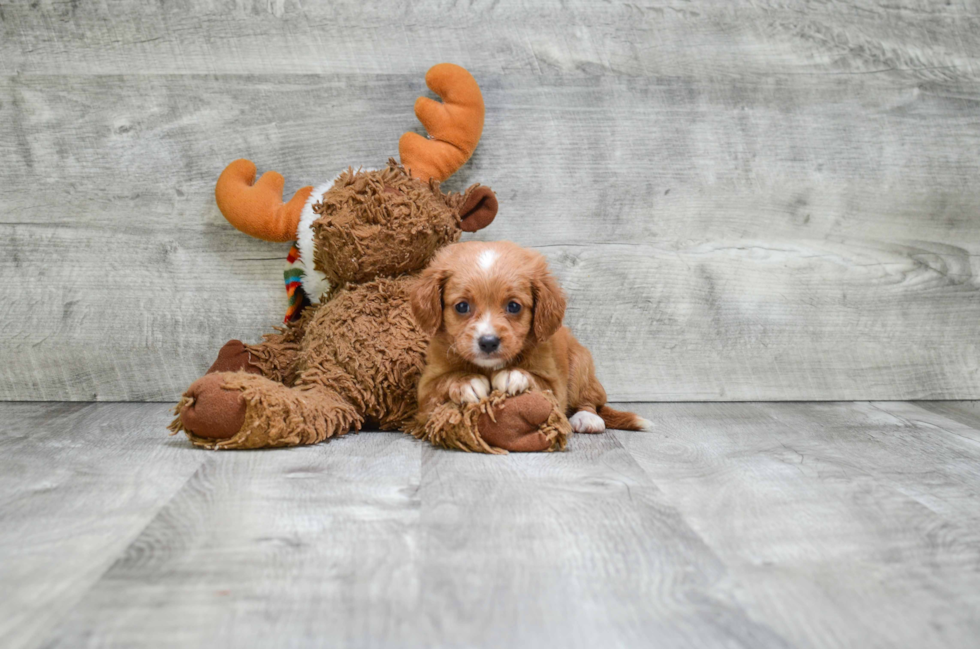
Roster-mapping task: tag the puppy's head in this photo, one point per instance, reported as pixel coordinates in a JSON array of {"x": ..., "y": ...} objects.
[{"x": 492, "y": 300}]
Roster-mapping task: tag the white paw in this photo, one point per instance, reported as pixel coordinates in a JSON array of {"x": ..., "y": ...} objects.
[
  {"x": 474, "y": 389},
  {"x": 511, "y": 381},
  {"x": 584, "y": 421}
]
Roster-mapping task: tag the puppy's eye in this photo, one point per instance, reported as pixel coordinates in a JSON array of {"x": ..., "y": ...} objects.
[
  {"x": 462, "y": 307},
  {"x": 513, "y": 307}
]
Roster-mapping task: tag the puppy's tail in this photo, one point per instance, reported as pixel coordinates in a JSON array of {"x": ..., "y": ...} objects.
[{"x": 622, "y": 420}]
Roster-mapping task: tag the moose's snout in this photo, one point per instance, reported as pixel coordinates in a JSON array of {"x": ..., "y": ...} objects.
[{"x": 489, "y": 344}]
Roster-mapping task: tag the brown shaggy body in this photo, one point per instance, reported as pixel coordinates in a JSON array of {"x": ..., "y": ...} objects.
[
  {"x": 356, "y": 357},
  {"x": 477, "y": 289}
]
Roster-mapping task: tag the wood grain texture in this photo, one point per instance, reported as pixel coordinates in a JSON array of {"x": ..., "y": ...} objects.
[
  {"x": 272, "y": 549},
  {"x": 576, "y": 549},
  {"x": 965, "y": 412},
  {"x": 78, "y": 483},
  {"x": 743, "y": 200},
  {"x": 756, "y": 525},
  {"x": 818, "y": 511},
  {"x": 927, "y": 39}
]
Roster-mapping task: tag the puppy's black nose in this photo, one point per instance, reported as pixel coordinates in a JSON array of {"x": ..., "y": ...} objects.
[{"x": 489, "y": 344}]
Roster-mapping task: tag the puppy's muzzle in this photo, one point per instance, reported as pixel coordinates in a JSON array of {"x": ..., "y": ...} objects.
[{"x": 489, "y": 344}]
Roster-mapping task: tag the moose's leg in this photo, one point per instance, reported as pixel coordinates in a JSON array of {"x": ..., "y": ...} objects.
[
  {"x": 234, "y": 357},
  {"x": 528, "y": 422},
  {"x": 273, "y": 358},
  {"x": 241, "y": 410}
]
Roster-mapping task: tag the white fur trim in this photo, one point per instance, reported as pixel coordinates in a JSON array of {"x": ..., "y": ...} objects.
[{"x": 315, "y": 283}]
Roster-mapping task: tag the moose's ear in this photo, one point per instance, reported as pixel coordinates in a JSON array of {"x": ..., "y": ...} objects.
[{"x": 478, "y": 208}]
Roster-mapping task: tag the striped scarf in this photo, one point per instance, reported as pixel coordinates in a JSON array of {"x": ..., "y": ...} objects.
[{"x": 298, "y": 300}]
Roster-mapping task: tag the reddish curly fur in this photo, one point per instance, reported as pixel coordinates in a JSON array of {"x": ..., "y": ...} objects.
[{"x": 533, "y": 351}]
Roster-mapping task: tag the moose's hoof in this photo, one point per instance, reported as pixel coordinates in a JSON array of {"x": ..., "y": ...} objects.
[
  {"x": 516, "y": 424},
  {"x": 233, "y": 357},
  {"x": 214, "y": 412}
]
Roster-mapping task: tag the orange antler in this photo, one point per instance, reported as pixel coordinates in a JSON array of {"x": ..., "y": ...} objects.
[
  {"x": 454, "y": 126},
  {"x": 258, "y": 210}
]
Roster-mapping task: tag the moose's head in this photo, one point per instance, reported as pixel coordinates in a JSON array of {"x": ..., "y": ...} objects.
[{"x": 375, "y": 223}]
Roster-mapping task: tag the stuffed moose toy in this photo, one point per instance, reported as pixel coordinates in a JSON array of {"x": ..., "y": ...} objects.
[{"x": 351, "y": 352}]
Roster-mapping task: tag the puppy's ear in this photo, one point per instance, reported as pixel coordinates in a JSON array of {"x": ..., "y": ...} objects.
[
  {"x": 478, "y": 209},
  {"x": 426, "y": 299},
  {"x": 549, "y": 303}
]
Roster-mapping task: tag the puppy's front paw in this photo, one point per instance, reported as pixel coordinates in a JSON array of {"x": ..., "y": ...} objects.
[
  {"x": 511, "y": 381},
  {"x": 584, "y": 421},
  {"x": 470, "y": 390}
]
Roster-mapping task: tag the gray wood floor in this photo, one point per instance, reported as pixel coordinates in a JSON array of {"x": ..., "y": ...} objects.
[{"x": 754, "y": 525}]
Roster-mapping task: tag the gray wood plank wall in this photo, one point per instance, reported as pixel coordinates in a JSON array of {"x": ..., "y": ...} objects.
[{"x": 744, "y": 200}]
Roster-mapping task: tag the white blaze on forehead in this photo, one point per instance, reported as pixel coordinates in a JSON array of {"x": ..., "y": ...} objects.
[{"x": 487, "y": 259}]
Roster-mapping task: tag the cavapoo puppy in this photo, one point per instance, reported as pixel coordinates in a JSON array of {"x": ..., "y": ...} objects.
[{"x": 495, "y": 315}]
